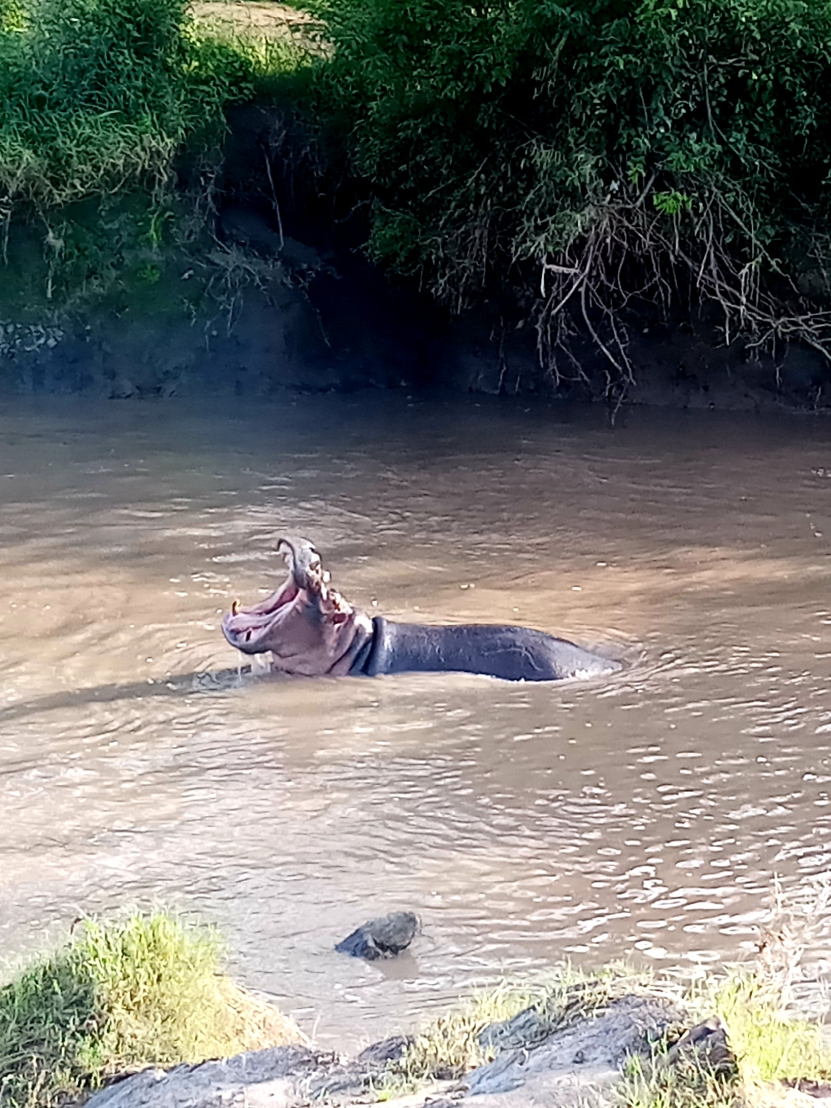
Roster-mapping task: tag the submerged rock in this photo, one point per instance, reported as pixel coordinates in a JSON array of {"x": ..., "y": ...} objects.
[{"x": 381, "y": 938}]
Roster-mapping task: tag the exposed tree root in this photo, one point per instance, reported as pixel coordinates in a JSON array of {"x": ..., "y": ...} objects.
[{"x": 630, "y": 256}]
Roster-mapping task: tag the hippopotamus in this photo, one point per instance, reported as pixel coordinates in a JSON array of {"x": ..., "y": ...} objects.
[{"x": 311, "y": 630}]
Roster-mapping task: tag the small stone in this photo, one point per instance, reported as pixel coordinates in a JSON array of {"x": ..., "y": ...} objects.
[
  {"x": 387, "y": 1050},
  {"x": 381, "y": 938}
]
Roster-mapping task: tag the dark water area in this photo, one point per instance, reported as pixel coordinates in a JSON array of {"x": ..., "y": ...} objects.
[{"x": 645, "y": 817}]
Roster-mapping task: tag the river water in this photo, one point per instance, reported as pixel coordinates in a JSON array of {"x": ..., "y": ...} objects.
[{"x": 646, "y": 817}]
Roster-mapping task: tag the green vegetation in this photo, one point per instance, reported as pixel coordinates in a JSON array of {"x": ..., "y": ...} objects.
[
  {"x": 770, "y": 1045},
  {"x": 112, "y": 119},
  {"x": 592, "y": 168},
  {"x": 121, "y": 996},
  {"x": 99, "y": 96},
  {"x": 595, "y": 163}
]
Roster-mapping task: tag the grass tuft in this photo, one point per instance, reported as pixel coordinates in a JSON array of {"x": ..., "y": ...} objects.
[
  {"x": 770, "y": 1044},
  {"x": 688, "y": 1085},
  {"x": 450, "y": 1046},
  {"x": 145, "y": 990}
]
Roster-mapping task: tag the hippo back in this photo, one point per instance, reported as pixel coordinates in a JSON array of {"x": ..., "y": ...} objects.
[{"x": 512, "y": 653}]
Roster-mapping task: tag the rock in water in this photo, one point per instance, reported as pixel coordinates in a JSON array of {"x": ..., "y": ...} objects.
[{"x": 381, "y": 938}]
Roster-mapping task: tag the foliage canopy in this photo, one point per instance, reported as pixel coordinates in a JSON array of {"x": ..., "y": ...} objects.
[
  {"x": 590, "y": 152},
  {"x": 101, "y": 95}
]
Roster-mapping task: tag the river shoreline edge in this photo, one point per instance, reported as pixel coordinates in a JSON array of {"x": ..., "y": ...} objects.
[
  {"x": 136, "y": 1012},
  {"x": 254, "y": 296}
]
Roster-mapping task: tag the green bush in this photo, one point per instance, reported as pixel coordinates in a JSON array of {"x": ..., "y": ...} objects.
[
  {"x": 595, "y": 156},
  {"x": 100, "y": 95},
  {"x": 121, "y": 996}
]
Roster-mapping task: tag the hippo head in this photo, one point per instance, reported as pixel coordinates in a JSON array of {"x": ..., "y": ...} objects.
[{"x": 309, "y": 627}]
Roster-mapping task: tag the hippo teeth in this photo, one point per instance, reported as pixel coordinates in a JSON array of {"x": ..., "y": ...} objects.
[{"x": 234, "y": 607}]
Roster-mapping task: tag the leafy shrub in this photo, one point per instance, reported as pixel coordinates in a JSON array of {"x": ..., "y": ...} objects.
[
  {"x": 597, "y": 155},
  {"x": 99, "y": 95}
]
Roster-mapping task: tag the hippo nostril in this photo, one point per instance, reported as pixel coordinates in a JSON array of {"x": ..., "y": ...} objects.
[{"x": 247, "y": 636}]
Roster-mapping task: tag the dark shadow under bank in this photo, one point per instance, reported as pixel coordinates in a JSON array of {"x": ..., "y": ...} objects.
[{"x": 279, "y": 295}]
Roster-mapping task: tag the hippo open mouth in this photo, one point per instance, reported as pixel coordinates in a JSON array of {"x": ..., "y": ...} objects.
[
  {"x": 311, "y": 630},
  {"x": 245, "y": 628},
  {"x": 307, "y": 626}
]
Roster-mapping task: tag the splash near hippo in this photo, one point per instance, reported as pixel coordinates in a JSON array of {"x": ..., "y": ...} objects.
[{"x": 311, "y": 630}]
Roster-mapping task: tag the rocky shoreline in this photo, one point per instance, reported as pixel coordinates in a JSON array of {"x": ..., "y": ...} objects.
[
  {"x": 136, "y": 1013},
  {"x": 536, "y": 1060},
  {"x": 635, "y": 1049}
]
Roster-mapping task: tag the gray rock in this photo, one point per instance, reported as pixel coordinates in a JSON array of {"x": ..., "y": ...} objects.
[
  {"x": 278, "y": 1077},
  {"x": 598, "y": 1046},
  {"x": 274, "y": 1077},
  {"x": 381, "y": 938}
]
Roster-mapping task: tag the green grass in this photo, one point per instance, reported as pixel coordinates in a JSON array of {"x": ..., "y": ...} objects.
[
  {"x": 449, "y": 1046},
  {"x": 769, "y": 1044},
  {"x": 100, "y": 96},
  {"x": 145, "y": 990},
  {"x": 687, "y": 1085}
]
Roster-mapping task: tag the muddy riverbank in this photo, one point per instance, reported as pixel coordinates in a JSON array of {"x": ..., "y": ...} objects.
[{"x": 259, "y": 285}]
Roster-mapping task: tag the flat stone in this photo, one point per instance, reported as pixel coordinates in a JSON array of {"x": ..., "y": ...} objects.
[
  {"x": 270, "y": 1078},
  {"x": 589, "y": 1051}
]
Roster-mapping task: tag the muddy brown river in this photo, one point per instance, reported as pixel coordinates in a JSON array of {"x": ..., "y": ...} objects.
[{"x": 644, "y": 817}]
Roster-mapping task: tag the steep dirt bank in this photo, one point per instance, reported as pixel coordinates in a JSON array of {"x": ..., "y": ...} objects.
[{"x": 274, "y": 292}]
